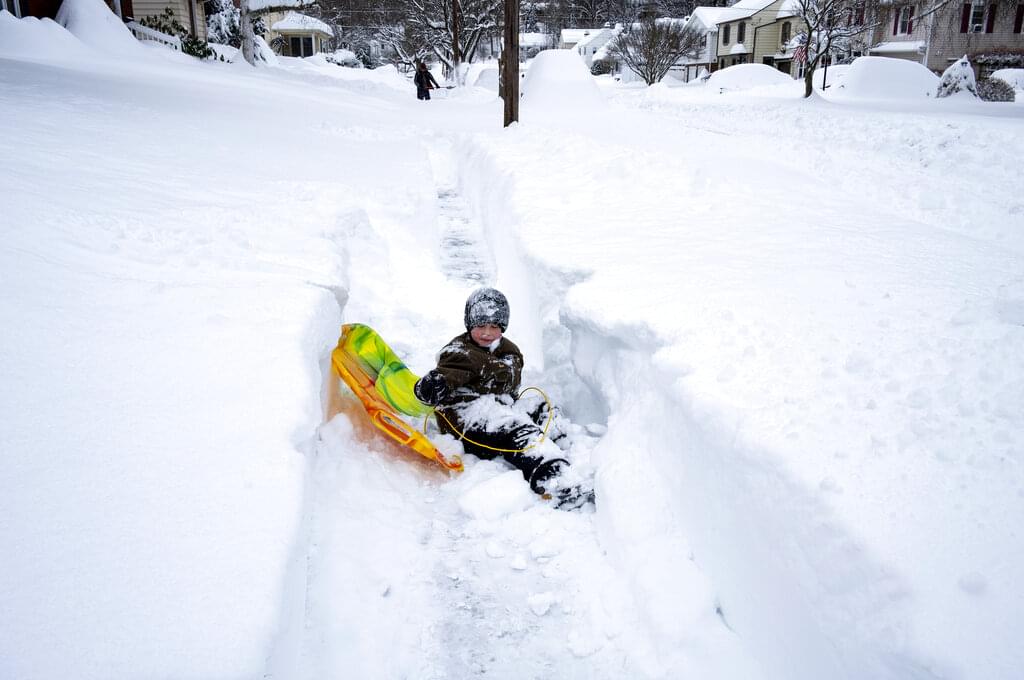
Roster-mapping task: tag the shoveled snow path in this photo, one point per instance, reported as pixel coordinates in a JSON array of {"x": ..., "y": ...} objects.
[{"x": 475, "y": 575}]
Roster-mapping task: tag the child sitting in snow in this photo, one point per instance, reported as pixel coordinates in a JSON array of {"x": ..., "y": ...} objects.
[{"x": 475, "y": 389}]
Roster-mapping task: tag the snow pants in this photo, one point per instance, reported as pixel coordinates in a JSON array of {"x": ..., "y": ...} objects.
[{"x": 489, "y": 423}]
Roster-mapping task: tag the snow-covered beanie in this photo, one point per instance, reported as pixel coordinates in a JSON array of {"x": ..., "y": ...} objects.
[{"x": 484, "y": 306}]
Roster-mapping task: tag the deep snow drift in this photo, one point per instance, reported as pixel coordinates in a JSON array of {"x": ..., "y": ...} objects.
[{"x": 794, "y": 328}]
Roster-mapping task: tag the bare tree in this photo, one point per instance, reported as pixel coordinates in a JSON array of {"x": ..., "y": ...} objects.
[
  {"x": 426, "y": 27},
  {"x": 677, "y": 8},
  {"x": 650, "y": 47},
  {"x": 830, "y": 26}
]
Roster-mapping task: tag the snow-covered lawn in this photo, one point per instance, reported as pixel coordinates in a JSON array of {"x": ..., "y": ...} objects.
[{"x": 795, "y": 328}]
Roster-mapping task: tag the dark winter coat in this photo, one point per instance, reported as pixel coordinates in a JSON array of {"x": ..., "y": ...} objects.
[
  {"x": 472, "y": 371},
  {"x": 424, "y": 80}
]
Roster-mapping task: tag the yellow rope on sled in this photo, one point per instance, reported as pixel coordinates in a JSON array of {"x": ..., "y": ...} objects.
[{"x": 462, "y": 435}]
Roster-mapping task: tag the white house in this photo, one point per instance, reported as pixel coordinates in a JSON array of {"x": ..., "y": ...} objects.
[
  {"x": 300, "y": 35},
  {"x": 593, "y": 43},
  {"x": 570, "y": 37},
  {"x": 704, "y": 21}
]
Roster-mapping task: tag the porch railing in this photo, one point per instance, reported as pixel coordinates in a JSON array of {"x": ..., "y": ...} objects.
[{"x": 145, "y": 33}]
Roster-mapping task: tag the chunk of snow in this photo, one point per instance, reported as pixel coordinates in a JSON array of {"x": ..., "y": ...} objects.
[
  {"x": 92, "y": 22},
  {"x": 498, "y": 496},
  {"x": 540, "y": 603}
]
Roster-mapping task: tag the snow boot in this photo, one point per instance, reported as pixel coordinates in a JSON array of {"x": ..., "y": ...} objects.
[
  {"x": 545, "y": 482},
  {"x": 547, "y": 470}
]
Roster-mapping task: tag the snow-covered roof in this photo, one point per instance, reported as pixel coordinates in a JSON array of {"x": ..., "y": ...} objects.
[
  {"x": 599, "y": 36},
  {"x": 255, "y": 5},
  {"x": 293, "y": 21},
  {"x": 738, "y": 48},
  {"x": 746, "y": 8},
  {"x": 789, "y": 8},
  {"x": 751, "y": 6},
  {"x": 575, "y": 35},
  {"x": 898, "y": 47},
  {"x": 709, "y": 16}
]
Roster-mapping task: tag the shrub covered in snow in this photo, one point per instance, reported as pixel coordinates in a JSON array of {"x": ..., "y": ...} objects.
[
  {"x": 1014, "y": 77},
  {"x": 344, "y": 58},
  {"x": 958, "y": 78},
  {"x": 995, "y": 90}
]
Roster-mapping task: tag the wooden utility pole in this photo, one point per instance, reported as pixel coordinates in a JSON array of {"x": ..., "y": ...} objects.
[{"x": 510, "y": 62}]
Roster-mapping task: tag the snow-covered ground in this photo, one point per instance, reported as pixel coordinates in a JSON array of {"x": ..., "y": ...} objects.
[{"x": 796, "y": 329}]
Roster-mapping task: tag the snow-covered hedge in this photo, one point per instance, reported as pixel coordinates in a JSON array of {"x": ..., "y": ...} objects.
[
  {"x": 958, "y": 79},
  {"x": 995, "y": 90}
]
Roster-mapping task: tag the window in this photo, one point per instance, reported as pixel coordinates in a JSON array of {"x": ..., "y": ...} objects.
[
  {"x": 741, "y": 32},
  {"x": 903, "y": 24},
  {"x": 1019, "y": 19},
  {"x": 300, "y": 47},
  {"x": 972, "y": 20},
  {"x": 725, "y": 34},
  {"x": 977, "y": 18},
  {"x": 787, "y": 32}
]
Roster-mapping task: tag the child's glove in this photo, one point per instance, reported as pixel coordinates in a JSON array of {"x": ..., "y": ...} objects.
[{"x": 432, "y": 388}]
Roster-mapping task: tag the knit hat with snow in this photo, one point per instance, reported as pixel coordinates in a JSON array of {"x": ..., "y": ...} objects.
[{"x": 484, "y": 306}]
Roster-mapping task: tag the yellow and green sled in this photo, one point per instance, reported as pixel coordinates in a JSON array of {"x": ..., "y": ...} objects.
[{"x": 385, "y": 387}]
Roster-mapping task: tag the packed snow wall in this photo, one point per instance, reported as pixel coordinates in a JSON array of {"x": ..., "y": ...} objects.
[{"x": 709, "y": 524}]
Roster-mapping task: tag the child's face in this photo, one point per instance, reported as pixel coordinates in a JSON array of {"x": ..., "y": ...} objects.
[{"x": 486, "y": 334}]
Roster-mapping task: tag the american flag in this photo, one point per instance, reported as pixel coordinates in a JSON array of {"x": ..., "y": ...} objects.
[{"x": 800, "y": 54}]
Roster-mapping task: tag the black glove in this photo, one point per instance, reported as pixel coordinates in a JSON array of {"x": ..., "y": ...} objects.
[{"x": 432, "y": 388}]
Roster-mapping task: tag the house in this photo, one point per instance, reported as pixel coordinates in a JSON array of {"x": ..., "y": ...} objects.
[
  {"x": 704, "y": 21},
  {"x": 759, "y": 33},
  {"x": 989, "y": 33},
  {"x": 531, "y": 43},
  {"x": 296, "y": 35},
  {"x": 189, "y": 13},
  {"x": 592, "y": 43},
  {"x": 570, "y": 37}
]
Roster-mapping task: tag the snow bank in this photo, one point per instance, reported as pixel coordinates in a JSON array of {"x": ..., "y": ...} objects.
[
  {"x": 833, "y": 76},
  {"x": 820, "y": 411},
  {"x": 885, "y": 78},
  {"x": 559, "y": 80},
  {"x": 747, "y": 76},
  {"x": 813, "y": 415},
  {"x": 488, "y": 79},
  {"x": 39, "y": 39},
  {"x": 92, "y": 22},
  {"x": 176, "y": 288}
]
